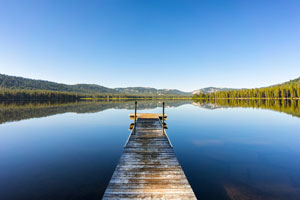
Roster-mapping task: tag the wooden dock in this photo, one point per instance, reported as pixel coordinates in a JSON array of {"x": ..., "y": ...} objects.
[{"x": 148, "y": 168}]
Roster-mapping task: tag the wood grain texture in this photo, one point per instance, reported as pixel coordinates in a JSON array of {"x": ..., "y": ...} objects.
[{"x": 148, "y": 168}]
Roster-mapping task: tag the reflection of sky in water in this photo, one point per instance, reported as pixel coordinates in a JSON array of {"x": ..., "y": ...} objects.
[
  {"x": 243, "y": 153},
  {"x": 236, "y": 152}
]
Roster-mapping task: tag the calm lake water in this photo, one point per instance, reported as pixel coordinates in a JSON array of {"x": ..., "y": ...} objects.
[{"x": 70, "y": 150}]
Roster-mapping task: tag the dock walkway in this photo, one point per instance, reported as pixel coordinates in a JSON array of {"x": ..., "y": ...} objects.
[{"x": 148, "y": 168}]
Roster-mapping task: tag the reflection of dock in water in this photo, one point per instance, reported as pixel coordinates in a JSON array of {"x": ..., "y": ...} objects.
[{"x": 148, "y": 168}]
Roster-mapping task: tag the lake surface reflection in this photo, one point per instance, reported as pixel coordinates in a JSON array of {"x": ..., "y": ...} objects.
[{"x": 227, "y": 149}]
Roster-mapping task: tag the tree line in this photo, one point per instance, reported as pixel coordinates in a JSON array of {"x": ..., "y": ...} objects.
[
  {"x": 9, "y": 94},
  {"x": 290, "y": 90},
  {"x": 31, "y": 95}
]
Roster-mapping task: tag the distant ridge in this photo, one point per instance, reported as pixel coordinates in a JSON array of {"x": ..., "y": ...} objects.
[
  {"x": 211, "y": 90},
  {"x": 145, "y": 90},
  {"x": 20, "y": 83}
]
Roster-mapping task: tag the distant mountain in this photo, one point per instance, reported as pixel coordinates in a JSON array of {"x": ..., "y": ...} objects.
[
  {"x": 211, "y": 90},
  {"x": 13, "y": 82},
  {"x": 146, "y": 90}
]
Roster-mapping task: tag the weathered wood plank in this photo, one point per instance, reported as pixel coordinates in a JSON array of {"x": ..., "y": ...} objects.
[{"x": 148, "y": 167}]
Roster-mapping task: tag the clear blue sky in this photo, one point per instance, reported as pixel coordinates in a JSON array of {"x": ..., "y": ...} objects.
[{"x": 164, "y": 44}]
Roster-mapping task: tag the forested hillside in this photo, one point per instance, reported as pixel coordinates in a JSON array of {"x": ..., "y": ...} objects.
[
  {"x": 287, "y": 90},
  {"x": 12, "y": 82},
  {"x": 19, "y": 83}
]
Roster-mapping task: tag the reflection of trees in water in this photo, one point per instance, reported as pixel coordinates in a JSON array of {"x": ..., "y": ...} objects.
[
  {"x": 287, "y": 106},
  {"x": 15, "y": 111}
]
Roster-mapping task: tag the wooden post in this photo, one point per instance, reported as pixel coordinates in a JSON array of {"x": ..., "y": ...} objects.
[
  {"x": 135, "y": 107},
  {"x": 163, "y": 117}
]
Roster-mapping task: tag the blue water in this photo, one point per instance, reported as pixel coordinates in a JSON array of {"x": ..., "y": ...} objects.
[{"x": 226, "y": 153}]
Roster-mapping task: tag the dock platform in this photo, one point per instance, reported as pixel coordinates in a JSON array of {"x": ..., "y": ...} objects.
[{"x": 148, "y": 168}]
